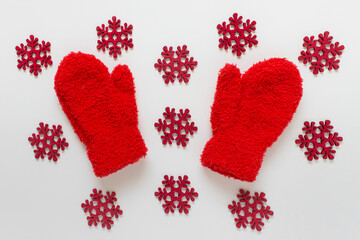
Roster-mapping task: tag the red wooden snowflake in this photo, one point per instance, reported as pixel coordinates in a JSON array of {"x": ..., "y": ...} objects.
[
  {"x": 176, "y": 194},
  {"x": 113, "y": 39},
  {"x": 33, "y": 55},
  {"x": 48, "y": 142},
  {"x": 176, "y": 126},
  {"x": 321, "y": 53},
  {"x": 318, "y": 140},
  {"x": 250, "y": 210},
  {"x": 101, "y": 208},
  {"x": 237, "y": 34},
  {"x": 175, "y": 67}
]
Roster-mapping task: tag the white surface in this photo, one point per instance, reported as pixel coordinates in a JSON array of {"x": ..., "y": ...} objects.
[{"x": 311, "y": 200}]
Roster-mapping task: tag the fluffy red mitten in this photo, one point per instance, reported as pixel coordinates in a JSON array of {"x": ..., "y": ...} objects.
[
  {"x": 102, "y": 110},
  {"x": 249, "y": 113}
]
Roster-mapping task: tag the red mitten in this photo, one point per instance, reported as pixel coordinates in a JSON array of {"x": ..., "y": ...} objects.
[
  {"x": 249, "y": 113},
  {"x": 102, "y": 110}
]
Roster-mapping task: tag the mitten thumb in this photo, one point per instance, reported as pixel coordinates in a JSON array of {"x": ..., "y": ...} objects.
[{"x": 226, "y": 99}]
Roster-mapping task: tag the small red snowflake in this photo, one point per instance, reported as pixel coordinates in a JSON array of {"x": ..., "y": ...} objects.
[
  {"x": 175, "y": 67},
  {"x": 113, "y": 39},
  {"x": 318, "y": 140},
  {"x": 237, "y": 34},
  {"x": 33, "y": 55},
  {"x": 176, "y": 126},
  {"x": 321, "y": 52},
  {"x": 102, "y": 208},
  {"x": 176, "y": 194},
  {"x": 250, "y": 210},
  {"x": 48, "y": 142}
]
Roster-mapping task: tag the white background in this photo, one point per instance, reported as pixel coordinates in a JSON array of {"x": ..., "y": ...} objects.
[{"x": 311, "y": 200}]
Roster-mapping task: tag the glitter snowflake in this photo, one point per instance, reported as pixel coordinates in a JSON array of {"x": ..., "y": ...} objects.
[
  {"x": 48, "y": 142},
  {"x": 318, "y": 140},
  {"x": 176, "y": 194},
  {"x": 102, "y": 209},
  {"x": 175, "y": 67},
  {"x": 237, "y": 34},
  {"x": 176, "y": 126},
  {"x": 113, "y": 39},
  {"x": 33, "y": 55},
  {"x": 321, "y": 53},
  {"x": 250, "y": 210}
]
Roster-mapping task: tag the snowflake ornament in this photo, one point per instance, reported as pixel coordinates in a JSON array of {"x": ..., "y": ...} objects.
[
  {"x": 113, "y": 39},
  {"x": 175, "y": 67},
  {"x": 321, "y": 53},
  {"x": 250, "y": 210},
  {"x": 48, "y": 142},
  {"x": 318, "y": 140},
  {"x": 33, "y": 55},
  {"x": 237, "y": 34},
  {"x": 176, "y": 126},
  {"x": 176, "y": 194},
  {"x": 101, "y": 209}
]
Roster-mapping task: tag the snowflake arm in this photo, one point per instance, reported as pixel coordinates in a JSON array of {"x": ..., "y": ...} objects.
[
  {"x": 241, "y": 222},
  {"x": 244, "y": 196},
  {"x": 181, "y": 140},
  {"x": 34, "y": 140},
  {"x": 312, "y": 153},
  {"x": 333, "y": 63},
  {"x": 328, "y": 152},
  {"x": 235, "y": 207},
  {"x": 53, "y": 154},
  {"x": 93, "y": 220},
  {"x": 184, "y": 207},
  {"x": 191, "y": 194},
  {"x": 169, "y": 206},
  {"x": 266, "y": 212},
  {"x": 168, "y": 181},
  {"x": 40, "y": 152},
  {"x": 334, "y": 139},
  {"x": 107, "y": 222},
  {"x": 167, "y": 139},
  {"x": 86, "y": 206},
  {"x": 183, "y": 181},
  {"x": 182, "y": 76},
  {"x": 256, "y": 223},
  {"x": 116, "y": 211},
  {"x": 325, "y": 127},
  {"x": 303, "y": 141},
  {"x": 160, "y": 194}
]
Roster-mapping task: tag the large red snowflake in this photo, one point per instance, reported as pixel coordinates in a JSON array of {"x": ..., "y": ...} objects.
[
  {"x": 176, "y": 194},
  {"x": 250, "y": 210},
  {"x": 113, "y": 39},
  {"x": 237, "y": 34},
  {"x": 321, "y": 53},
  {"x": 176, "y": 126},
  {"x": 101, "y": 208},
  {"x": 33, "y": 55},
  {"x": 48, "y": 141},
  {"x": 175, "y": 67},
  {"x": 318, "y": 140}
]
